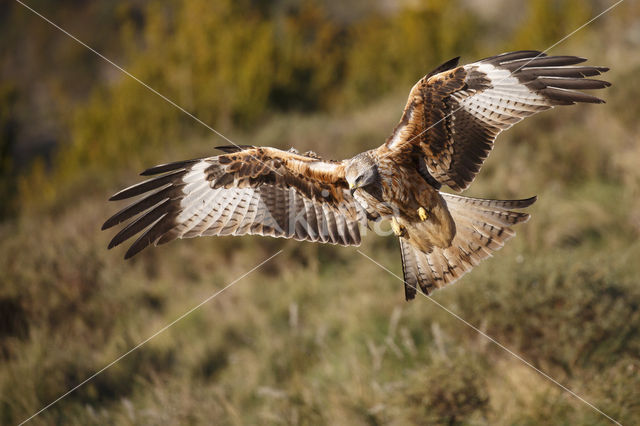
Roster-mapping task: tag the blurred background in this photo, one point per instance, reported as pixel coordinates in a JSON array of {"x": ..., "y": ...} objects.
[{"x": 320, "y": 334}]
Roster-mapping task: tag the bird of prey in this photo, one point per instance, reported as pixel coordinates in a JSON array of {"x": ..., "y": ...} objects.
[{"x": 447, "y": 129}]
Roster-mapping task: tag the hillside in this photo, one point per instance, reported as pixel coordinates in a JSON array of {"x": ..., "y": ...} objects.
[{"x": 320, "y": 334}]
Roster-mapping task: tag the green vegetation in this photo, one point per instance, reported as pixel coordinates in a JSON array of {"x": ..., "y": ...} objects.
[{"x": 319, "y": 334}]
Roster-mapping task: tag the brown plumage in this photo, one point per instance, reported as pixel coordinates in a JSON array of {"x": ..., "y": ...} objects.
[{"x": 447, "y": 130}]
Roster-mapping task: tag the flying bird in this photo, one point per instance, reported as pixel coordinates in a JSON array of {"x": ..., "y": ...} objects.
[{"x": 448, "y": 127}]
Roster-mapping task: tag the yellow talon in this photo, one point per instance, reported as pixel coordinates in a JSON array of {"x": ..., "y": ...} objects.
[
  {"x": 423, "y": 214},
  {"x": 397, "y": 228}
]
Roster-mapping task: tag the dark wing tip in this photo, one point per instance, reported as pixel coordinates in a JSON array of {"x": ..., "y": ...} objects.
[
  {"x": 512, "y": 56},
  {"x": 578, "y": 59},
  {"x": 568, "y": 97},
  {"x": 526, "y": 202},
  {"x": 140, "y": 244},
  {"x": 150, "y": 218},
  {"x": 112, "y": 244},
  {"x": 451, "y": 63},
  {"x": 130, "y": 253},
  {"x": 147, "y": 185},
  {"x": 120, "y": 195},
  {"x": 117, "y": 196},
  {"x": 229, "y": 149},
  {"x": 163, "y": 168}
]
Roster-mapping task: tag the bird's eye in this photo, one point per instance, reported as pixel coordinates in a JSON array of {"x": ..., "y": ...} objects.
[{"x": 358, "y": 179}]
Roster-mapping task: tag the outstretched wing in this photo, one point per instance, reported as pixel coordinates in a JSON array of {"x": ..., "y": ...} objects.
[
  {"x": 454, "y": 114},
  {"x": 263, "y": 191}
]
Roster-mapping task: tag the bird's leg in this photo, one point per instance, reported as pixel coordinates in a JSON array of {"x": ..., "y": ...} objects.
[
  {"x": 424, "y": 215},
  {"x": 397, "y": 228}
]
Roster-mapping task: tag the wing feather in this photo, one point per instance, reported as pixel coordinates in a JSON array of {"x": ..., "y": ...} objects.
[
  {"x": 453, "y": 116},
  {"x": 249, "y": 190}
]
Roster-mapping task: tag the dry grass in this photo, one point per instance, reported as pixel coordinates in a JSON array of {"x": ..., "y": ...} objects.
[{"x": 320, "y": 334}]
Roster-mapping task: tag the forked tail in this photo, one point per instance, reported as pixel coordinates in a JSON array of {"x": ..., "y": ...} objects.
[{"x": 482, "y": 227}]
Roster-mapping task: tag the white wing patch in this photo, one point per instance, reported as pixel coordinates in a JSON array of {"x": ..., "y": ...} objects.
[{"x": 505, "y": 103}]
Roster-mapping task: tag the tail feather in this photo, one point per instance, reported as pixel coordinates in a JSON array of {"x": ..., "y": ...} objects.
[
  {"x": 410, "y": 269},
  {"x": 482, "y": 227}
]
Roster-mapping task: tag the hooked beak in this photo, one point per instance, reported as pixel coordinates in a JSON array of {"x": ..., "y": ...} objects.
[{"x": 352, "y": 188}]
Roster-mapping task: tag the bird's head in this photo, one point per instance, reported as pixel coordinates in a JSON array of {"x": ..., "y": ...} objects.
[{"x": 361, "y": 171}]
